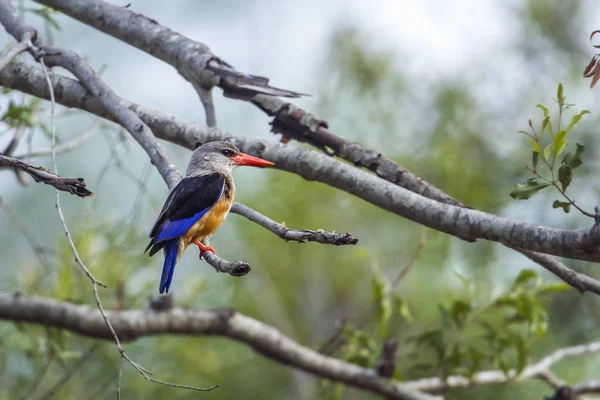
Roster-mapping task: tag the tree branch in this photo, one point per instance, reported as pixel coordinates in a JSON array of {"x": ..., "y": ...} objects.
[
  {"x": 73, "y": 63},
  {"x": 66, "y": 147},
  {"x": 287, "y": 234},
  {"x": 206, "y": 98},
  {"x": 74, "y": 186},
  {"x": 134, "y": 324},
  {"x": 461, "y": 222},
  {"x": 496, "y": 376},
  {"x": 20, "y": 47},
  {"x": 197, "y": 64}
]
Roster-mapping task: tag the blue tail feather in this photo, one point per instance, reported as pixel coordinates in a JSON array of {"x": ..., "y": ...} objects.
[{"x": 171, "y": 249}]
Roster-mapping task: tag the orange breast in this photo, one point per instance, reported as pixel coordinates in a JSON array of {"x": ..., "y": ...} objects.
[{"x": 210, "y": 221}]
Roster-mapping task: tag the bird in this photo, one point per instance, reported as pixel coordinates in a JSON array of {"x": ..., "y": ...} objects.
[{"x": 198, "y": 204}]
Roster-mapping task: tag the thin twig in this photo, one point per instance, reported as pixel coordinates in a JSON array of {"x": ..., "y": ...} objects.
[
  {"x": 38, "y": 249},
  {"x": 39, "y": 378},
  {"x": 301, "y": 236},
  {"x": 72, "y": 371},
  {"x": 206, "y": 98},
  {"x": 15, "y": 51},
  {"x": 64, "y": 148},
  {"x": 74, "y": 186},
  {"x": 136, "y": 324},
  {"x": 233, "y": 268},
  {"x": 95, "y": 283},
  {"x": 415, "y": 257},
  {"x": 119, "y": 381},
  {"x": 572, "y": 202},
  {"x": 537, "y": 370}
]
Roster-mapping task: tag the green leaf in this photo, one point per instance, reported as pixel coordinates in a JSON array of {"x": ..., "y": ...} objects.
[
  {"x": 573, "y": 158},
  {"x": 559, "y": 95},
  {"x": 524, "y": 276},
  {"x": 565, "y": 176},
  {"x": 547, "y": 152},
  {"x": 559, "y": 142},
  {"x": 544, "y": 110},
  {"x": 536, "y": 147},
  {"x": 545, "y": 123},
  {"x": 553, "y": 287},
  {"x": 576, "y": 119},
  {"x": 565, "y": 205},
  {"x": 524, "y": 191},
  {"x": 535, "y": 157}
]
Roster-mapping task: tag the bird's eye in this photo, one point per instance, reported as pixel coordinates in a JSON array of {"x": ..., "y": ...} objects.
[{"x": 227, "y": 153}]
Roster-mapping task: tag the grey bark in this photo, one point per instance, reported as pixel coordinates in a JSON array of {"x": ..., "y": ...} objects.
[
  {"x": 198, "y": 65},
  {"x": 74, "y": 186},
  {"x": 461, "y": 222},
  {"x": 133, "y": 324}
]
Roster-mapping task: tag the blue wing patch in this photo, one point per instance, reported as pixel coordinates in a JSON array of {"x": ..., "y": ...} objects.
[{"x": 174, "y": 229}]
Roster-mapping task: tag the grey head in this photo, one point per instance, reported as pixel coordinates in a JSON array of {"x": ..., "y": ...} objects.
[{"x": 213, "y": 157}]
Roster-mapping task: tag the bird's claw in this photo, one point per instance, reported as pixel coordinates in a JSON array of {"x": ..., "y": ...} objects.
[{"x": 203, "y": 248}]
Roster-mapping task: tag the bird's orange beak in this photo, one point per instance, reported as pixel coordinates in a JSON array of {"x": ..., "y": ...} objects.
[{"x": 245, "y": 159}]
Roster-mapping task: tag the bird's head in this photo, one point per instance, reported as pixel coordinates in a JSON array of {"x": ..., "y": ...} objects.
[{"x": 221, "y": 156}]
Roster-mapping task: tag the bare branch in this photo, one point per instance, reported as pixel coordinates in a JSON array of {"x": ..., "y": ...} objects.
[
  {"x": 200, "y": 66},
  {"x": 235, "y": 268},
  {"x": 301, "y": 236},
  {"x": 135, "y": 324},
  {"x": 206, "y": 98},
  {"x": 461, "y": 222},
  {"x": 207, "y": 69},
  {"x": 73, "y": 63},
  {"x": 64, "y": 148},
  {"x": 74, "y": 186},
  {"x": 497, "y": 376},
  {"x": 577, "y": 280},
  {"x": 387, "y": 362},
  {"x": 76, "y": 367},
  {"x": 38, "y": 249}
]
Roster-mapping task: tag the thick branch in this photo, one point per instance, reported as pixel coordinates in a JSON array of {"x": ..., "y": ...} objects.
[
  {"x": 74, "y": 186},
  {"x": 196, "y": 63},
  {"x": 134, "y": 324},
  {"x": 289, "y": 120},
  {"x": 461, "y": 222},
  {"x": 73, "y": 63}
]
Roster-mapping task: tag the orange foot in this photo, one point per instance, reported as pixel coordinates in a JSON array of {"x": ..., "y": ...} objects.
[{"x": 203, "y": 247}]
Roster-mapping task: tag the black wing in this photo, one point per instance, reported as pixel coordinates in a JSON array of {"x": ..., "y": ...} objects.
[{"x": 186, "y": 204}]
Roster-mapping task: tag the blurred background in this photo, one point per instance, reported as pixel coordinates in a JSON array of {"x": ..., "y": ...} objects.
[{"x": 439, "y": 87}]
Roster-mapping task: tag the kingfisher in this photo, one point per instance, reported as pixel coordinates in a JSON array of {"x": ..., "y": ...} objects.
[{"x": 198, "y": 204}]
